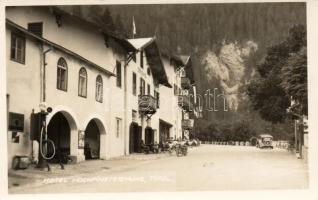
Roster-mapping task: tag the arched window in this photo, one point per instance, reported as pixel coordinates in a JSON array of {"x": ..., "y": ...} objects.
[
  {"x": 82, "y": 82},
  {"x": 99, "y": 89},
  {"x": 61, "y": 74}
]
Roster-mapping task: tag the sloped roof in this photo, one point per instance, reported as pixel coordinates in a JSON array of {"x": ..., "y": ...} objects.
[
  {"x": 21, "y": 29},
  {"x": 95, "y": 27},
  {"x": 149, "y": 45},
  {"x": 186, "y": 61},
  {"x": 140, "y": 43}
]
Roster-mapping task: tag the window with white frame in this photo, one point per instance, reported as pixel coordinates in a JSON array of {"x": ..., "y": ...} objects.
[
  {"x": 61, "y": 74},
  {"x": 82, "y": 82},
  {"x": 118, "y": 127},
  {"x": 182, "y": 72},
  {"x": 17, "y": 48},
  {"x": 99, "y": 88},
  {"x": 142, "y": 87}
]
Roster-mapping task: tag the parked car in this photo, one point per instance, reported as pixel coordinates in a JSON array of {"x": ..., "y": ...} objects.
[{"x": 265, "y": 141}]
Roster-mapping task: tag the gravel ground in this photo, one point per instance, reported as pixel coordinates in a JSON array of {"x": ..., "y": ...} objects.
[{"x": 207, "y": 167}]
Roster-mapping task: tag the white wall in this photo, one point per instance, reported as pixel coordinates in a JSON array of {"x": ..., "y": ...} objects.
[
  {"x": 132, "y": 100},
  {"x": 71, "y": 35},
  {"x": 24, "y": 82},
  {"x": 23, "y": 87},
  {"x": 169, "y": 109}
]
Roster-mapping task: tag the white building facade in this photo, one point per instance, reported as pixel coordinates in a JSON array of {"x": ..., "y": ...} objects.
[
  {"x": 67, "y": 64},
  {"x": 107, "y": 94}
]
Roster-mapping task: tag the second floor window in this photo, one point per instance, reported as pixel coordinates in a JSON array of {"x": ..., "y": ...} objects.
[
  {"x": 99, "y": 89},
  {"x": 17, "y": 48},
  {"x": 157, "y": 98},
  {"x": 134, "y": 84},
  {"x": 118, "y": 73},
  {"x": 118, "y": 127},
  {"x": 142, "y": 86},
  {"x": 61, "y": 75},
  {"x": 148, "y": 89},
  {"x": 82, "y": 82},
  {"x": 141, "y": 59}
]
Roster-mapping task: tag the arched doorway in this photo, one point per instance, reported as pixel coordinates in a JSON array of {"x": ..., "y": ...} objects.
[
  {"x": 59, "y": 131},
  {"x": 134, "y": 138},
  {"x": 92, "y": 141},
  {"x": 149, "y": 136}
]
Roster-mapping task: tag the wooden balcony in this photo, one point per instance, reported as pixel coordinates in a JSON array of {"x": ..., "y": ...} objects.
[
  {"x": 185, "y": 83},
  {"x": 185, "y": 103},
  {"x": 187, "y": 124},
  {"x": 147, "y": 104}
]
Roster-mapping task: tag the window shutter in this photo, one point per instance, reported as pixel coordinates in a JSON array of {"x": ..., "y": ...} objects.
[{"x": 36, "y": 28}]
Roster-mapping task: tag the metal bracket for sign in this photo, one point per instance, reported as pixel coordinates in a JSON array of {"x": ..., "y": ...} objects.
[{"x": 148, "y": 115}]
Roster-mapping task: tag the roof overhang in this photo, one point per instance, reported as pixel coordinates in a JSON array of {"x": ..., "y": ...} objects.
[
  {"x": 186, "y": 62},
  {"x": 149, "y": 45},
  {"x": 93, "y": 26}
]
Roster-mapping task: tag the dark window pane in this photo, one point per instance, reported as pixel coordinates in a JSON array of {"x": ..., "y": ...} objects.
[{"x": 118, "y": 75}]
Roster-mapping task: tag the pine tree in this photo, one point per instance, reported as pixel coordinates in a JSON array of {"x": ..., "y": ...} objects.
[
  {"x": 77, "y": 11},
  {"x": 120, "y": 29},
  {"x": 294, "y": 76},
  {"x": 94, "y": 13},
  {"x": 106, "y": 21}
]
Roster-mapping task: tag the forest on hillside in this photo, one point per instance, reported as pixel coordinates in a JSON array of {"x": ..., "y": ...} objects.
[{"x": 226, "y": 41}]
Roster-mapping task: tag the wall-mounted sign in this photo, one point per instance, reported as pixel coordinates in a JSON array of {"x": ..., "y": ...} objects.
[
  {"x": 16, "y": 122},
  {"x": 81, "y": 139}
]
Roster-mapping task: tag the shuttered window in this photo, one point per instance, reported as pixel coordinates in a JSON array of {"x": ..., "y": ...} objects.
[
  {"x": 36, "y": 28},
  {"x": 17, "y": 48}
]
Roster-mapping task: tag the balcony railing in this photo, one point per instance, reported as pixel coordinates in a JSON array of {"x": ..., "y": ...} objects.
[
  {"x": 185, "y": 83},
  {"x": 185, "y": 103},
  {"x": 147, "y": 104}
]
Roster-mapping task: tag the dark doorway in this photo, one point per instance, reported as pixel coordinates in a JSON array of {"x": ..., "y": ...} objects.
[
  {"x": 164, "y": 131},
  {"x": 149, "y": 136},
  {"x": 134, "y": 138},
  {"x": 253, "y": 141},
  {"x": 92, "y": 141},
  {"x": 58, "y": 130}
]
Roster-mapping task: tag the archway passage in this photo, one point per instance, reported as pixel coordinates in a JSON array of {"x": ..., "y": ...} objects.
[
  {"x": 58, "y": 130},
  {"x": 92, "y": 141},
  {"x": 149, "y": 136},
  {"x": 134, "y": 138}
]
